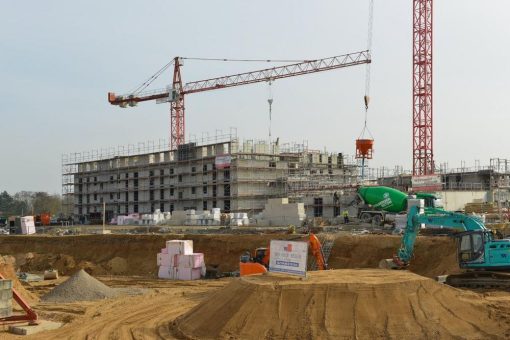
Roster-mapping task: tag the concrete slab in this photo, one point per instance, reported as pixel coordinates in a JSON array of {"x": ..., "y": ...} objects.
[
  {"x": 26, "y": 329},
  {"x": 104, "y": 231}
]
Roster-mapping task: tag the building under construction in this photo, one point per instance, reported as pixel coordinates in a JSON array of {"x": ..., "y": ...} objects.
[{"x": 221, "y": 172}]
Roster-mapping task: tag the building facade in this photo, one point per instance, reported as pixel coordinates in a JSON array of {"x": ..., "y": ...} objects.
[{"x": 232, "y": 176}]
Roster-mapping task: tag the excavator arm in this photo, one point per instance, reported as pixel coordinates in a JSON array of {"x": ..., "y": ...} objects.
[{"x": 317, "y": 252}]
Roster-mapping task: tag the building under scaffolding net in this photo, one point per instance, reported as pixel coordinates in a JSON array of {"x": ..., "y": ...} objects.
[{"x": 209, "y": 172}]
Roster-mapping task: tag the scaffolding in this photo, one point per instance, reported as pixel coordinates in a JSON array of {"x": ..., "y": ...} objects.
[{"x": 123, "y": 158}]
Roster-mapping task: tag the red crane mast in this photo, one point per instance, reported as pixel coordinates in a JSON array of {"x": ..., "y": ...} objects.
[
  {"x": 423, "y": 153},
  {"x": 176, "y": 94}
]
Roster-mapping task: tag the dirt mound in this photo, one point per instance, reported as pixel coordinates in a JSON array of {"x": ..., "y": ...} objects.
[
  {"x": 80, "y": 287},
  {"x": 342, "y": 304},
  {"x": 118, "y": 265},
  {"x": 8, "y": 272}
]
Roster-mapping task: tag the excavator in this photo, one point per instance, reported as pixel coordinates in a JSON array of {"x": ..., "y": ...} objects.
[
  {"x": 259, "y": 262},
  {"x": 485, "y": 259}
]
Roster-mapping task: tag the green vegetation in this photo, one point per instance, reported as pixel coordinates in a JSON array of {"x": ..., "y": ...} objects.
[{"x": 28, "y": 203}]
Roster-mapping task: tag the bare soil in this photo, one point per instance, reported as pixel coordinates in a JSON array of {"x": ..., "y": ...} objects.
[
  {"x": 343, "y": 304},
  {"x": 147, "y": 316},
  {"x": 136, "y": 254}
]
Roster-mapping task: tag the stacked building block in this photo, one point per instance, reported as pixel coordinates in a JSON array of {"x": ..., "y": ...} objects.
[
  {"x": 279, "y": 212},
  {"x": 5, "y": 298},
  {"x": 239, "y": 219},
  {"x": 178, "y": 262}
]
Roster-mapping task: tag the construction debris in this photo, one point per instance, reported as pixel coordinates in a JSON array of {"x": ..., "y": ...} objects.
[
  {"x": 42, "y": 325},
  {"x": 51, "y": 274}
]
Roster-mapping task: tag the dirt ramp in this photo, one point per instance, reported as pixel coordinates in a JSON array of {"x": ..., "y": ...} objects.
[{"x": 342, "y": 304}]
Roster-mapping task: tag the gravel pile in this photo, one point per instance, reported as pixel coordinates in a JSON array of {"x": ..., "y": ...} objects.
[{"x": 80, "y": 287}]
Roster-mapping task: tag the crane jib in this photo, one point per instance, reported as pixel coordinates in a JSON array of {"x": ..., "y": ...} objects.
[{"x": 286, "y": 71}]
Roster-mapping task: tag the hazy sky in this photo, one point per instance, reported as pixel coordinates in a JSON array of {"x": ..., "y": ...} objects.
[{"x": 58, "y": 60}]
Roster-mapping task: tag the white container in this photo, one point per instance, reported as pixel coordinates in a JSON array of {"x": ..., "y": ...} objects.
[
  {"x": 27, "y": 221},
  {"x": 28, "y": 230}
]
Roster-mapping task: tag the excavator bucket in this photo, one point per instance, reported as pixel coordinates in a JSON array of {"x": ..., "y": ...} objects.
[
  {"x": 387, "y": 264},
  {"x": 390, "y": 264}
]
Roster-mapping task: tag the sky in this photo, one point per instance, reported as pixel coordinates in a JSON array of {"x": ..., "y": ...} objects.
[{"x": 58, "y": 60}]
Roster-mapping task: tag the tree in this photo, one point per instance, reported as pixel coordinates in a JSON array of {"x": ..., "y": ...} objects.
[
  {"x": 11, "y": 207},
  {"x": 44, "y": 203}
]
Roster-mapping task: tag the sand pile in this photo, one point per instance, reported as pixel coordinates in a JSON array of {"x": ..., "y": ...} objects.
[
  {"x": 342, "y": 304},
  {"x": 80, "y": 287}
]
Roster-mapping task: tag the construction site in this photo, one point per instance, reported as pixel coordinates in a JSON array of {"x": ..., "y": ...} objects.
[{"x": 229, "y": 236}]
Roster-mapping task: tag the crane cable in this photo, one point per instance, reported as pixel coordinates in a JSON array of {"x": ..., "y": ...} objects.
[
  {"x": 249, "y": 60},
  {"x": 366, "y": 98},
  {"x": 270, "y": 102},
  {"x": 151, "y": 79}
]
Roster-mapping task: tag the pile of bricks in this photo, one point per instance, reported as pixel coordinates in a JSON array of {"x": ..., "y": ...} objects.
[{"x": 178, "y": 262}]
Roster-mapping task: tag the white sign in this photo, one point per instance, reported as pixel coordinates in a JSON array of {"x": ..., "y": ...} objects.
[
  {"x": 222, "y": 162},
  {"x": 427, "y": 183},
  {"x": 288, "y": 257}
]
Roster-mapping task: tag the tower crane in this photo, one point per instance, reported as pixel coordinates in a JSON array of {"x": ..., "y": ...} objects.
[
  {"x": 423, "y": 151},
  {"x": 175, "y": 94}
]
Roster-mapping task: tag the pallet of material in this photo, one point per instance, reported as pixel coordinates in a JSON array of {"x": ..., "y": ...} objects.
[{"x": 480, "y": 208}]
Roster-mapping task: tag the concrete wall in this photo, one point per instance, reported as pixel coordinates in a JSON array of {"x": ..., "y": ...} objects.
[{"x": 456, "y": 200}]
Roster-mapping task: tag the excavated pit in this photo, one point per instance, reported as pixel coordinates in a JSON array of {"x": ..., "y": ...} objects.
[
  {"x": 136, "y": 254},
  {"x": 342, "y": 304}
]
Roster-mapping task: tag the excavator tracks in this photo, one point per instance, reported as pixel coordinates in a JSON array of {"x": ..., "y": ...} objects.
[{"x": 479, "y": 279}]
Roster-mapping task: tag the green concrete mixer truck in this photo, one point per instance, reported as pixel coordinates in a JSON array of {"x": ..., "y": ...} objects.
[{"x": 377, "y": 204}]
